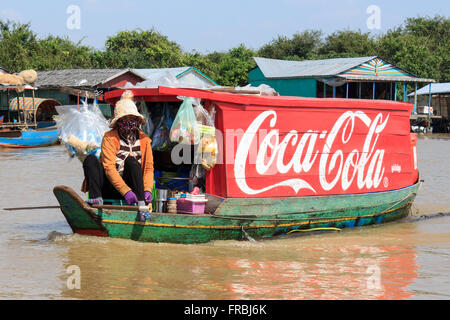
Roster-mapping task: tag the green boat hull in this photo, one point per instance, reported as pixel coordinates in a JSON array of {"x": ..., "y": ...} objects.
[{"x": 239, "y": 219}]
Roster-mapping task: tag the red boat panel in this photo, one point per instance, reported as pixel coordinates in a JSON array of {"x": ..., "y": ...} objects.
[{"x": 290, "y": 146}]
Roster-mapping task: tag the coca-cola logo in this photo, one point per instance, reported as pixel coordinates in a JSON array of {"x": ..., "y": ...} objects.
[{"x": 361, "y": 165}]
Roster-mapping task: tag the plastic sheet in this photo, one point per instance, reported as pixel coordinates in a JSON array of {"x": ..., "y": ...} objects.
[{"x": 81, "y": 130}]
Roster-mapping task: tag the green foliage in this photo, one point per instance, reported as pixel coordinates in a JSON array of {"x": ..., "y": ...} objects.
[
  {"x": 421, "y": 45},
  {"x": 141, "y": 49},
  {"x": 302, "y": 46},
  {"x": 347, "y": 44}
]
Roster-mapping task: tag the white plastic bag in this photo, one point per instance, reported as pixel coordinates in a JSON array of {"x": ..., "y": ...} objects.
[{"x": 81, "y": 130}]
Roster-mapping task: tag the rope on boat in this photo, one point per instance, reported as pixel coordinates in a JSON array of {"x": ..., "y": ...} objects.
[{"x": 246, "y": 235}]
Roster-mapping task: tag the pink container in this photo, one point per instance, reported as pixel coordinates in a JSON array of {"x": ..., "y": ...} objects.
[{"x": 185, "y": 206}]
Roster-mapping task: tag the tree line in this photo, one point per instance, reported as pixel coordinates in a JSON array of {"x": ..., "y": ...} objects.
[{"x": 420, "y": 45}]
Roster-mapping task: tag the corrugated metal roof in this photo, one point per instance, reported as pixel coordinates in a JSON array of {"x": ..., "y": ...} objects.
[
  {"x": 77, "y": 77},
  {"x": 356, "y": 69},
  {"x": 3, "y": 70},
  {"x": 285, "y": 69},
  {"x": 179, "y": 72},
  {"x": 159, "y": 73},
  {"x": 436, "y": 88}
]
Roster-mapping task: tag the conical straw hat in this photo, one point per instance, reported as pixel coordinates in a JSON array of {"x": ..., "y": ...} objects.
[{"x": 125, "y": 107}]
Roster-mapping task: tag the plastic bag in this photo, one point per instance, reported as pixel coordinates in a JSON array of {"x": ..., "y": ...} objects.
[
  {"x": 160, "y": 138},
  {"x": 184, "y": 129},
  {"x": 207, "y": 147},
  {"x": 81, "y": 130}
]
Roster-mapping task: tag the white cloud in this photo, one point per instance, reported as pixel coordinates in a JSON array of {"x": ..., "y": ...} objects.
[{"x": 11, "y": 14}]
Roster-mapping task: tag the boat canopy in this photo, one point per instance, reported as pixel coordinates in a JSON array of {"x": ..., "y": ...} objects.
[{"x": 47, "y": 105}]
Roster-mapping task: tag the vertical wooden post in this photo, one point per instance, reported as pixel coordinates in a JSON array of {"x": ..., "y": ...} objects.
[
  {"x": 324, "y": 90},
  {"x": 415, "y": 99},
  {"x": 405, "y": 92},
  {"x": 360, "y": 90},
  {"x": 25, "y": 118},
  {"x": 7, "y": 102},
  {"x": 35, "y": 110},
  {"x": 395, "y": 93},
  {"x": 429, "y": 100},
  {"x": 18, "y": 107},
  {"x": 373, "y": 91}
]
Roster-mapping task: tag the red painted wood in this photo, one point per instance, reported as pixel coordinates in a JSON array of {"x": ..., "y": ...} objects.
[
  {"x": 90, "y": 232},
  {"x": 332, "y": 146}
]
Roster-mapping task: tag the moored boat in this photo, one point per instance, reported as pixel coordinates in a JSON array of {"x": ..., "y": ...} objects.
[
  {"x": 28, "y": 138},
  {"x": 37, "y": 131},
  {"x": 285, "y": 165}
]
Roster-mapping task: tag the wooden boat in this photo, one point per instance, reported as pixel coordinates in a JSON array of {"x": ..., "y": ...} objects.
[
  {"x": 299, "y": 164},
  {"x": 40, "y": 131},
  {"x": 28, "y": 138},
  {"x": 229, "y": 223}
]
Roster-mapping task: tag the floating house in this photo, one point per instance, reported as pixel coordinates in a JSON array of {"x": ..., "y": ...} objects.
[
  {"x": 363, "y": 77},
  {"x": 433, "y": 106},
  {"x": 69, "y": 86}
]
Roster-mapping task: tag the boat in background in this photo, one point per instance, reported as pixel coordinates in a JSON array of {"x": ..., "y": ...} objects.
[{"x": 38, "y": 129}]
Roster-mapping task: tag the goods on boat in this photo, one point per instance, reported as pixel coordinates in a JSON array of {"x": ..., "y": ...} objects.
[
  {"x": 81, "y": 129},
  {"x": 185, "y": 128},
  {"x": 282, "y": 165}
]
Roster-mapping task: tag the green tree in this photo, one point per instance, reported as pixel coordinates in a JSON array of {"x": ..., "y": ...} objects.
[
  {"x": 234, "y": 66},
  {"x": 420, "y": 46},
  {"x": 18, "y": 46},
  {"x": 301, "y": 46},
  {"x": 346, "y": 44},
  {"x": 141, "y": 49}
]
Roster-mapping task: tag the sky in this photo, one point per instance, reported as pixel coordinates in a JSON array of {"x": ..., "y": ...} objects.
[{"x": 208, "y": 25}]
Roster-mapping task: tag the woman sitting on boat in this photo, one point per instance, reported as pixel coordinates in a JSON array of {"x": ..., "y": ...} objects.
[{"x": 125, "y": 167}]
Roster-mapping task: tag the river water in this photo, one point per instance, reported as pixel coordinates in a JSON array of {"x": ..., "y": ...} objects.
[{"x": 40, "y": 258}]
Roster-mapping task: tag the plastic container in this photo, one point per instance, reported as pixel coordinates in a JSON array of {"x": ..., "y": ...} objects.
[
  {"x": 185, "y": 206},
  {"x": 172, "y": 205}
]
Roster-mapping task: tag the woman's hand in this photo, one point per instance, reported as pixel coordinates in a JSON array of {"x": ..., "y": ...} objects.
[
  {"x": 148, "y": 197},
  {"x": 131, "y": 198}
]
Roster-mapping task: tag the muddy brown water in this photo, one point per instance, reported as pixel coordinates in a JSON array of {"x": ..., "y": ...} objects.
[{"x": 40, "y": 258}]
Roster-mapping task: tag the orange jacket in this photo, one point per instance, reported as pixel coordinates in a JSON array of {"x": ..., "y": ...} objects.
[{"x": 110, "y": 147}]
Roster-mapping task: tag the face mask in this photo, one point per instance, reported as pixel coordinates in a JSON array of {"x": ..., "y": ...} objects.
[{"x": 127, "y": 128}]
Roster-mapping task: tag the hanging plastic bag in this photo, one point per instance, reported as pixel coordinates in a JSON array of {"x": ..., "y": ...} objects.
[
  {"x": 185, "y": 128},
  {"x": 207, "y": 147},
  {"x": 81, "y": 130},
  {"x": 160, "y": 138}
]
